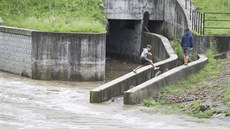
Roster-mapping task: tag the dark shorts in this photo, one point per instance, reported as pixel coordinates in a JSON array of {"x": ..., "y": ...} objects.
[
  {"x": 187, "y": 51},
  {"x": 143, "y": 61}
]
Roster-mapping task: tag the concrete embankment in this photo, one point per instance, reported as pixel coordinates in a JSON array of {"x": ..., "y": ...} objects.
[
  {"x": 146, "y": 82},
  {"x": 161, "y": 48},
  {"x": 151, "y": 87}
]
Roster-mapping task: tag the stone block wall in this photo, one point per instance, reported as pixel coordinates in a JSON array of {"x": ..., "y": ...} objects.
[{"x": 15, "y": 51}]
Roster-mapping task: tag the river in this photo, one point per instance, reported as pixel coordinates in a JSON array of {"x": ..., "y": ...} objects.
[{"x": 34, "y": 104}]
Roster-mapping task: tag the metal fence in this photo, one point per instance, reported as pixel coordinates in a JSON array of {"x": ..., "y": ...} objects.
[
  {"x": 207, "y": 19},
  {"x": 197, "y": 22}
]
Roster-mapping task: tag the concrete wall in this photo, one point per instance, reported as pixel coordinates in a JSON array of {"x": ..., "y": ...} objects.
[
  {"x": 15, "y": 51},
  {"x": 123, "y": 83},
  {"x": 202, "y": 43},
  {"x": 68, "y": 56},
  {"x": 134, "y": 10},
  {"x": 151, "y": 87},
  {"x": 174, "y": 23},
  {"x": 126, "y": 21},
  {"x": 52, "y": 56}
]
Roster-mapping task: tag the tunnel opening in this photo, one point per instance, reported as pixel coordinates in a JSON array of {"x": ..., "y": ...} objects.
[{"x": 123, "y": 39}]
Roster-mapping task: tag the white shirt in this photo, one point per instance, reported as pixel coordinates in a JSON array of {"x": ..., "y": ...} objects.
[{"x": 144, "y": 53}]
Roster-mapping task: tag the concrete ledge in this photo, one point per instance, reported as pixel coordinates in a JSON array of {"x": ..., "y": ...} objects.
[
  {"x": 15, "y": 30},
  {"x": 123, "y": 83},
  {"x": 151, "y": 87}
]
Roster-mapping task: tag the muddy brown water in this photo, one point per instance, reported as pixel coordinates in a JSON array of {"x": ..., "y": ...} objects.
[{"x": 33, "y": 104}]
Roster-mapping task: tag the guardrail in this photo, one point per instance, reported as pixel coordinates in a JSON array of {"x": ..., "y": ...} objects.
[
  {"x": 200, "y": 20},
  {"x": 209, "y": 19}
]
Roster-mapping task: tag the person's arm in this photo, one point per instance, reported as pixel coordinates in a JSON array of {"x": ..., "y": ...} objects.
[
  {"x": 181, "y": 41},
  {"x": 191, "y": 41}
]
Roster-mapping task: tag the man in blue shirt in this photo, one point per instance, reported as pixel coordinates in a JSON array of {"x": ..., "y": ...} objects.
[{"x": 187, "y": 45}]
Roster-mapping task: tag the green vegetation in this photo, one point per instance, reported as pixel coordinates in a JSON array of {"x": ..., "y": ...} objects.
[
  {"x": 54, "y": 15},
  {"x": 215, "y": 6},
  {"x": 181, "y": 87},
  {"x": 212, "y": 68},
  {"x": 178, "y": 50},
  {"x": 227, "y": 93}
]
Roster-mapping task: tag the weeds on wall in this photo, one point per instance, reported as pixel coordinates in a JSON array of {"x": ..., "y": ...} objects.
[{"x": 178, "y": 50}]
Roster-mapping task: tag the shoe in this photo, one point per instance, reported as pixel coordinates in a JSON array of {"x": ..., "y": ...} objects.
[
  {"x": 134, "y": 71},
  {"x": 156, "y": 68},
  {"x": 185, "y": 63}
]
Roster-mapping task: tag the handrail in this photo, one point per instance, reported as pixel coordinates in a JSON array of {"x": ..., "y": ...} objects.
[{"x": 205, "y": 20}]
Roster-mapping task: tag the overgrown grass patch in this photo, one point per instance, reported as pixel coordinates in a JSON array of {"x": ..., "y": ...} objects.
[
  {"x": 54, "y": 15},
  {"x": 227, "y": 93},
  {"x": 180, "y": 87},
  {"x": 212, "y": 68},
  {"x": 161, "y": 106},
  {"x": 178, "y": 50}
]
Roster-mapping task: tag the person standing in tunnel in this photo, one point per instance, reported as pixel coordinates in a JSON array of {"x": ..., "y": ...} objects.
[
  {"x": 144, "y": 58},
  {"x": 187, "y": 45}
]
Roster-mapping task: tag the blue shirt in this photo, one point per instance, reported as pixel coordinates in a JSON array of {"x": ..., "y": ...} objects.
[{"x": 187, "y": 40}]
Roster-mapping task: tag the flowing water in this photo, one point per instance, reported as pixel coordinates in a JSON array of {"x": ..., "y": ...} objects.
[{"x": 33, "y": 104}]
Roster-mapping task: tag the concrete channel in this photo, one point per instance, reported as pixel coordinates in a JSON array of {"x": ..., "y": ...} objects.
[{"x": 146, "y": 82}]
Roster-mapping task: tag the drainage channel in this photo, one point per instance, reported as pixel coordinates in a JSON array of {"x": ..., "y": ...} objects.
[{"x": 119, "y": 85}]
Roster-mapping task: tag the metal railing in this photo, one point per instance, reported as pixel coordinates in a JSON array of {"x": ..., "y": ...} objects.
[
  {"x": 209, "y": 19},
  {"x": 197, "y": 22}
]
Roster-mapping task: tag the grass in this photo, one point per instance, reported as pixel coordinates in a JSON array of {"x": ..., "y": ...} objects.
[
  {"x": 180, "y": 87},
  {"x": 54, "y": 15},
  {"x": 215, "y": 6},
  {"x": 227, "y": 93},
  {"x": 212, "y": 68},
  {"x": 178, "y": 50}
]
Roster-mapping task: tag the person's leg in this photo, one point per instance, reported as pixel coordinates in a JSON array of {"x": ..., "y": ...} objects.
[
  {"x": 151, "y": 62},
  {"x": 185, "y": 59},
  {"x": 186, "y": 53},
  {"x": 135, "y": 70}
]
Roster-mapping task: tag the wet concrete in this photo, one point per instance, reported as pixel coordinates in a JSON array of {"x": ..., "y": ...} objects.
[{"x": 33, "y": 104}]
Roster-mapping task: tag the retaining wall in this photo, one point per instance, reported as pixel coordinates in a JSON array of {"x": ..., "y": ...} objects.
[
  {"x": 151, "y": 87},
  {"x": 202, "y": 43},
  {"x": 120, "y": 85},
  {"x": 53, "y": 56}
]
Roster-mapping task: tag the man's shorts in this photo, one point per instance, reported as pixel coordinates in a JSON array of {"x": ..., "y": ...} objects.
[{"x": 187, "y": 51}]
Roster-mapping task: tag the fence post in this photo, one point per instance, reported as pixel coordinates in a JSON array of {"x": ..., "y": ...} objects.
[
  {"x": 192, "y": 21},
  {"x": 190, "y": 8},
  {"x": 201, "y": 23},
  {"x": 204, "y": 24}
]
